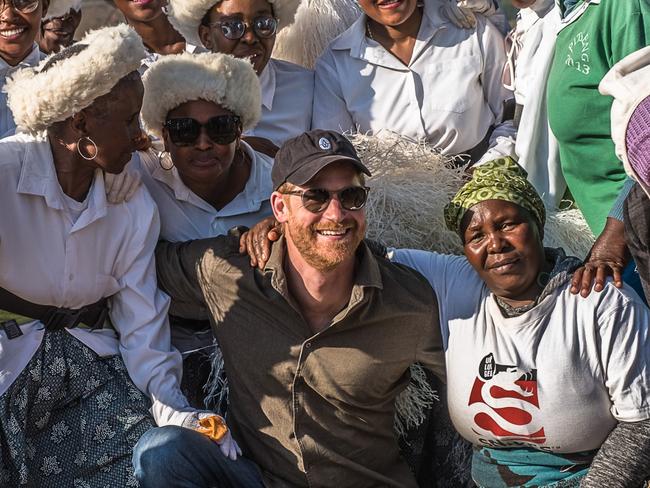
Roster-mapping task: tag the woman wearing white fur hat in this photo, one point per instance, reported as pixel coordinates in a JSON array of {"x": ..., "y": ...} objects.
[
  {"x": 208, "y": 180},
  {"x": 59, "y": 25},
  {"x": 19, "y": 28},
  {"x": 86, "y": 360},
  {"x": 247, "y": 29},
  {"x": 404, "y": 67}
]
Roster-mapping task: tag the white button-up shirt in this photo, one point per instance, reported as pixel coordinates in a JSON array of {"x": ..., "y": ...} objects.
[
  {"x": 287, "y": 98},
  {"x": 108, "y": 251},
  {"x": 7, "y": 124},
  {"x": 185, "y": 216},
  {"x": 450, "y": 93}
]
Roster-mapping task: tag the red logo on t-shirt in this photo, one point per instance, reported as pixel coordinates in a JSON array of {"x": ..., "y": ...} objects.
[{"x": 505, "y": 403}]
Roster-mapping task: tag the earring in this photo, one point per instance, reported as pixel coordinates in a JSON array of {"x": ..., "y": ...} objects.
[
  {"x": 87, "y": 158},
  {"x": 165, "y": 157}
]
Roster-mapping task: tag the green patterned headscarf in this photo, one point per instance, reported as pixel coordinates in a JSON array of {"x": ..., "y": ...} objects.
[{"x": 501, "y": 179}]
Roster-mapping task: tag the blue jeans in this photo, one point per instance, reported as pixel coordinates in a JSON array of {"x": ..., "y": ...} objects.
[{"x": 177, "y": 457}]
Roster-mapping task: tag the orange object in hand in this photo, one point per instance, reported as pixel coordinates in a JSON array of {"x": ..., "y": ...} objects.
[{"x": 214, "y": 427}]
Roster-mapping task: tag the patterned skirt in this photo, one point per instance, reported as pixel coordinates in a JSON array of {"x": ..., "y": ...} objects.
[{"x": 71, "y": 419}]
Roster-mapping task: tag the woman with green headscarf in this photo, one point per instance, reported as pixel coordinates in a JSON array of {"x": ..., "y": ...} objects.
[{"x": 549, "y": 387}]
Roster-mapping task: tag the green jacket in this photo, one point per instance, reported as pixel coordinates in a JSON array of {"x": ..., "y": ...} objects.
[{"x": 595, "y": 36}]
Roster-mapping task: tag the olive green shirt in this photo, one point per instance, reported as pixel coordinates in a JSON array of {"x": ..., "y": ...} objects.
[{"x": 312, "y": 410}]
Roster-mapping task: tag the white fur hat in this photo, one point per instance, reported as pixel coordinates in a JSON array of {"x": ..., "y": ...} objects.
[
  {"x": 214, "y": 77},
  {"x": 40, "y": 98},
  {"x": 58, "y": 8},
  {"x": 186, "y": 15}
]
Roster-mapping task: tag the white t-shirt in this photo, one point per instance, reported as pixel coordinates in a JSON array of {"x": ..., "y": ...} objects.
[{"x": 557, "y": 378}]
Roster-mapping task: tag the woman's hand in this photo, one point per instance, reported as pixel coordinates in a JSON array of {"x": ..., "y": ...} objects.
[
  {"x": 257, "y": 241},
  {"x": 608, "y": 257},
  {"x": 461, "y": 12},
  {"x": 214, "y": 427},
  {"x": 121, "y": 187}
]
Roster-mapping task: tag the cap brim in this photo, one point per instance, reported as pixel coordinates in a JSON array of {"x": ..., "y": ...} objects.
[{"x": 311, "y": 169}]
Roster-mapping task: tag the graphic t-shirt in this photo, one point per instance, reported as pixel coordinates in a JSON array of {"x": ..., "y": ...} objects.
[{"x": 556, "y": 379}]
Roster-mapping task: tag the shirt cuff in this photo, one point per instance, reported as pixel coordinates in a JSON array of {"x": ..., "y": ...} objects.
[{"x": 617, "y": 210}]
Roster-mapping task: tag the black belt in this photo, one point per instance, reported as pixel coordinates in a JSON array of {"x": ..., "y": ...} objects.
[
  {"x": 54, "y": 318},
  {"x": 194, "y": 324}
]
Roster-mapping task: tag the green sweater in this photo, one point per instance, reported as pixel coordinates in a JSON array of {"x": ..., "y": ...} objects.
[{"x": 579, "y": 116}]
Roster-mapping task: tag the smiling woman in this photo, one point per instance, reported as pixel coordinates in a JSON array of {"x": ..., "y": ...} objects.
[
  {"x": 247, "y": 29},
  {"x": 545, "y": 384},
  {"x": 19, "y": 27},
  {"x": 59, "y": 25}
]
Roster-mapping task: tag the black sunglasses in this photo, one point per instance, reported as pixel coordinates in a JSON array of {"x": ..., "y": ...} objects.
[
  {"x": 264, "y": 27},
  {"x": 316, "y": 200},
  {"x": 222, "y": 129},
  {"x": 22, "y": 6}
]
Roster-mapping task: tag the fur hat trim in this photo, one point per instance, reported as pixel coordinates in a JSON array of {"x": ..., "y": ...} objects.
[
  {"x": 186, "y": 15},
  {"x": 59, "y": 8},
  {"x": 214, "y": 77},
  {"x": 39, "y": 98}
]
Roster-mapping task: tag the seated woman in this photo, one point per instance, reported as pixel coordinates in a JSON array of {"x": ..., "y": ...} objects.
[
  {"x": 208, "y": 180},
  {"x": 403, "y": 67},
  {"x": 21, "y": 19},
  {"x": 549, "y": 387},
  {"x": 85, "y": 355},
  {"x": 59, "y": 25},
  {"x": 247, "y": 29}
]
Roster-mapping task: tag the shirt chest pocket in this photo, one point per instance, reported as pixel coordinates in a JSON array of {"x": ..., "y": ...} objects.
[{"x": 451, "y": 85}]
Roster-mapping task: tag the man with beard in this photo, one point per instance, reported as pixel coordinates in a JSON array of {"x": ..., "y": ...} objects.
[
  {"x": 317, "y": 345},
  {"x": 59, "y": 25}
]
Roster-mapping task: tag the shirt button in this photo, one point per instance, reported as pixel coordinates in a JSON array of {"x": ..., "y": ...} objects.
[{"x": 70, "y": 277}]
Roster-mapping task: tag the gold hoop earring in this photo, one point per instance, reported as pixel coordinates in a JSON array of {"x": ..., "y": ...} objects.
[
  {"x": 87, "y": 158},
  {"x": 167, "y": 158}
]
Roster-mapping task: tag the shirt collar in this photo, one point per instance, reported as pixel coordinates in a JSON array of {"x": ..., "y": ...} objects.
[
  {"x": 354, "y": 39},
  {"x": 267, "y": 85},
  {"x": 367, "y": 274},
  {"x": 32, "y": 59},
  {"x": 257, "y": 190},
  {"x": 37, "y": 177}
]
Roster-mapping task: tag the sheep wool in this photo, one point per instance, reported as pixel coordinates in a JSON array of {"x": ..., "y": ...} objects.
[
  {"x": 186, "y": 15},
  {"x": 40, "y": 98},
  {"x": 214, "y": 77}
]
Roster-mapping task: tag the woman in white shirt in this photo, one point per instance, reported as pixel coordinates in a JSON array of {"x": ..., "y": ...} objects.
[
  {"x": 247, "y": 29},
  {"x": 20, "y": 22},
  {"x": 207, "y": 180},
  {"x": 87, "y": 360},
  {"x": 549, "y": 387},
  {"x": 405, "y": 68}
]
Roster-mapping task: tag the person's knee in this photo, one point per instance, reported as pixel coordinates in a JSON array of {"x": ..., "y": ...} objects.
[{"x": 158, "y": 448}]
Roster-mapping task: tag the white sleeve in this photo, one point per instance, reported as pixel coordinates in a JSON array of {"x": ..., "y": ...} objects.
[
  {"x": 139, "y": 314},
  {"x": 502, "y": 140},
  {"x": 329, "y": 110},
  {"x": 624, "y": 341}
]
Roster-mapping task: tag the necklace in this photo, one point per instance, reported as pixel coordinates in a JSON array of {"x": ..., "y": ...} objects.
[{"x": 369, "y": 31}]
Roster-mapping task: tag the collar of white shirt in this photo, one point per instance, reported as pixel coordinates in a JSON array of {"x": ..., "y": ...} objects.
[
  {"x": 354, "y": 39},
  {"x": 257, "y": 190},
  {"x": 32, "y": 59},
  {"x": 37, "y": 177},
  {"x": 267, "y": 84}
]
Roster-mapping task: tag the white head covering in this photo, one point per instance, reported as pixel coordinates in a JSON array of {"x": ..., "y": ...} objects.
[
  {"x": 629, "y": 83},
  {"x": 59, "y": 8},
  {"x": 40, "y": 98},
  {"x": 186, "y": 15},
  {"x": 214, "y": 77}
]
